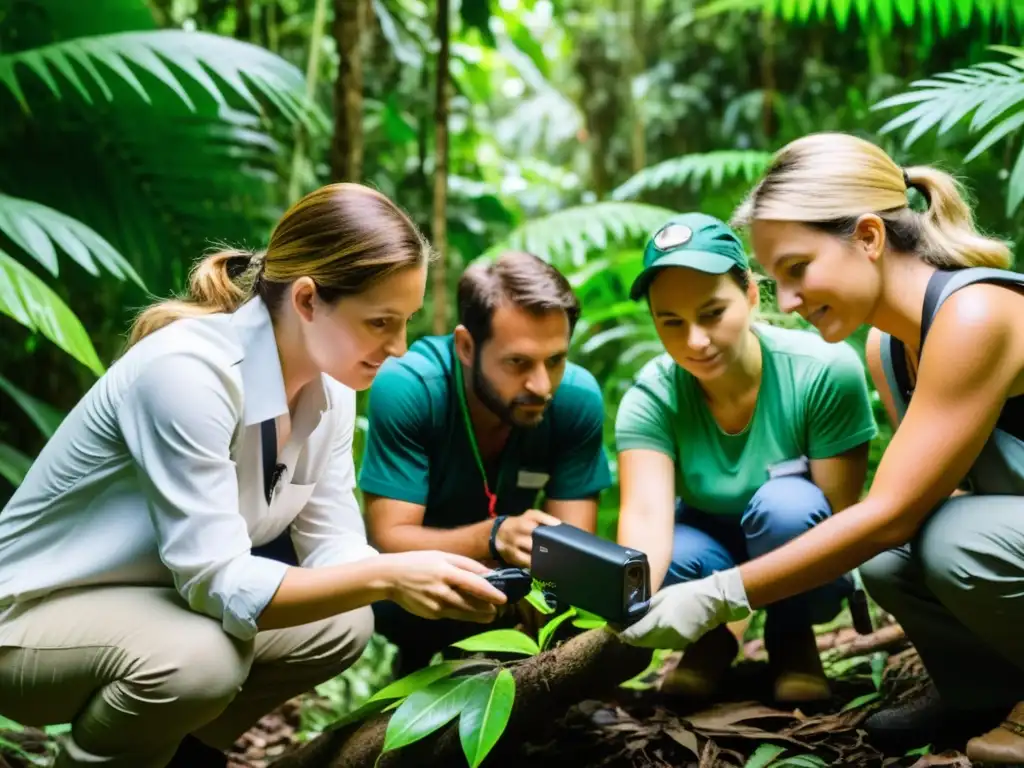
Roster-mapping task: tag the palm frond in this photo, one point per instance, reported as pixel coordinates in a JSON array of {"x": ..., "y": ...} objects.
[
  {"x": 696, "y": 170},
  {"x": 37, "y": 229},
  {"x": 43, "y": 415},
  {"x": 993, "y": 91},
  {"x": 14, "y": 464},
  {"x": 87, "y": 64},
  {"x": 27, "y": 299},
  {"x": 948, "y": 15},
  {"x": 565, "y": 237}
]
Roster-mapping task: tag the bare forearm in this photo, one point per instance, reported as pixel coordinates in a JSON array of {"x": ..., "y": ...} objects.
[
  {"x": 312, "y": 594},
  {"x": 650, "y": 537},
  {"x": 822, "y": 554},
  {"x": 468, "y": 540}
]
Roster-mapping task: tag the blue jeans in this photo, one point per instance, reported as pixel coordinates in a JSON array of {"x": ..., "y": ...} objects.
[{"x": 781, "y": 510}]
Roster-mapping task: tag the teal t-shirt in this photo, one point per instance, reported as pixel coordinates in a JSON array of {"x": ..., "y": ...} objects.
[
  {"x": 418, "y": 450},
  {"x": 813, "y": 402}
]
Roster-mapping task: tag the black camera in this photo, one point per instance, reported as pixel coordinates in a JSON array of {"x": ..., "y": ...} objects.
[{"x": 581, "y": 569}]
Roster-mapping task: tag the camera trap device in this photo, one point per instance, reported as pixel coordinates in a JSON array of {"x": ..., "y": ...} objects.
[{"x": 581, "y": 569}]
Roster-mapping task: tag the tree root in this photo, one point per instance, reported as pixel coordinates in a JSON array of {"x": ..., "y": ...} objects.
[
  {"x": 546, "y": 686},
  {"x": 888, "y": 638}
]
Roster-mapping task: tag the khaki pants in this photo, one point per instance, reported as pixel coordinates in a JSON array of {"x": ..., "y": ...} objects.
[{"x": 134, "y": 670}]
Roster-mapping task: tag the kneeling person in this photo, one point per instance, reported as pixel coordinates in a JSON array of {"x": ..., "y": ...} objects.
[
  {"x": 760, "y": 433},
  {"x": 468, "y": 431}
]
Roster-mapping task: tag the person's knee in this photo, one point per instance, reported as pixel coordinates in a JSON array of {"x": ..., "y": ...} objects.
[
  {"x": 882, "y": 578},
  {"x": 958, "y": 555},
  {"x": 338, "y": 641},
  {"x": 783, "y": 508},
  {"x": 695, "y": 555},
  {"x": 202, "y": 668}
]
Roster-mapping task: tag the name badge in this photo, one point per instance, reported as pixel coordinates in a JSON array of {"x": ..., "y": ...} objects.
[{"x": 532, "y": 480}]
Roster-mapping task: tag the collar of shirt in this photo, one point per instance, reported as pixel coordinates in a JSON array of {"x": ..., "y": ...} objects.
[{"x": 260, "y": 369}]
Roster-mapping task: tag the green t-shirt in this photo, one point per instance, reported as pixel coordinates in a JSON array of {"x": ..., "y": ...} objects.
[
  {"x": 418, "y": 450},
  {"x": 813, "y": 402}
]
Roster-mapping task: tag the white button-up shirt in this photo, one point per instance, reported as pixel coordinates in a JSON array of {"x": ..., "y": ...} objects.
[{"x": 156, "y": 477}]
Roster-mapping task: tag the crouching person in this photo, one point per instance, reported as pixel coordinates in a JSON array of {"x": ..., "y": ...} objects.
[
  {"x": 738, "y": 439},
  {"x": 477, "y": 437},
  {"x": 132, "y": 604}
]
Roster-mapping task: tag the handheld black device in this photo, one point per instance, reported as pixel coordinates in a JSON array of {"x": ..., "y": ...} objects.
[
  {"x": 597, "y": 575},
  {"x": 516, "y": 583}
]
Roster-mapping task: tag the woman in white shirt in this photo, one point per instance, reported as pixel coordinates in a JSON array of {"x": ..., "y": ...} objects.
[{"x": 132, "y": 604}]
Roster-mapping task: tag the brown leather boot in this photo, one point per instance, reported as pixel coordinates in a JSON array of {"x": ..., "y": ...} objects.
[
  {"x": 703, "y": 665},
  {"x": 1003, "y": 744},
  {"x": 799, "y": 676}
]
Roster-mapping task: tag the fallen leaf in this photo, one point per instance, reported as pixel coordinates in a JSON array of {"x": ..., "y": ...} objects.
[
  {"x": 724, "y": 715},
  {"x": 952, "y": 759},
  {"x": 683, "y": 738}
]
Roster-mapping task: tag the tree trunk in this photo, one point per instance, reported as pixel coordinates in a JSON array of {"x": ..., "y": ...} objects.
[
  {"x": 440, "y": 228},
  {"x": 243, "y": 19},
  {"x": 588, "y": 665},
  {"x": 350, "y": 25},
  {"x": 637, "y": 64}
]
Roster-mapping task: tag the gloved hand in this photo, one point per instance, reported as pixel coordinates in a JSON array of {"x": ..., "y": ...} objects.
[{"x": 681, "y": 613}]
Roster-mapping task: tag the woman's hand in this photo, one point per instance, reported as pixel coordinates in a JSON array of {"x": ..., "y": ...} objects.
[
  {"x": 441, "y": 585},
  {"x": 681, "y": 613}
]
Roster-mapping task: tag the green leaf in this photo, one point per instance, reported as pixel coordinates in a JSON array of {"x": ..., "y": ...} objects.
[
  {"x": 697, "y": 170},
  {"x": 860, "y": 701},
  {"x": 37, "y": 228},
  {"x": 25, "y": 297},
  {"x": 764, "y": 755},
  {"x": 801, "y": 761},
  {"x": 16, "y": 749},
  {"x": 7, "y": 724},
  {"x": 500, "y": 641},
  {"x": 421, "y": 678},
  {"x": 587, "y": 620},
  {"x": 197, "y": 54},
  {"x": 476, "y": 14},
  {"x": 537, "y": 600},
  {"x": 544, "y": 636},
  {"x": 488, "y": 706},
  {"x": 1016, "y": 185},
  {"x": 426, "y": 710},
  {"x": 43, "y": 415}
]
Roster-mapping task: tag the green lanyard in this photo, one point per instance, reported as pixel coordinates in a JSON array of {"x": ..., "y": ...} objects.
[{"x": 492, "y": 498}]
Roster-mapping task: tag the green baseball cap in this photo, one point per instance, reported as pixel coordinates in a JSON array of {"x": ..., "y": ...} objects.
[{"x": 693, "y": 240}]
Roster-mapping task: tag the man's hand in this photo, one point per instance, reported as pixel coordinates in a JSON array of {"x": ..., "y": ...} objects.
[{"x": 514, "y": 541}]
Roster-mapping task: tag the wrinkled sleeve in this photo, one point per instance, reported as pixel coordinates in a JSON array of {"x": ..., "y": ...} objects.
[
  {"x": 581, "y": 466},
  {"x": 839, "y": 415},
  {"x": 643, "y": 422},
  {"x": 178, "y": 420},
  {"x": 330, "y": 529}
]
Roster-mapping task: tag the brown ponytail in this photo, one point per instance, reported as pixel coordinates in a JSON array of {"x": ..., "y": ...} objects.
[{"x": 344, "y": 236}]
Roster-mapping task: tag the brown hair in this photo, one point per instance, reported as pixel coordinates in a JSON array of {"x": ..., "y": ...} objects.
[
  {"x": 346, "y": 237},
  {"x": 516, "y": 278},
  {"x": 829, "y": 180}
]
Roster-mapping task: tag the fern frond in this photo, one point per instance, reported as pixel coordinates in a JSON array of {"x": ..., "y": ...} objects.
[
  {"x": 27, "y": 299},
  {"x": 89, "y": 63},
  {"x": 993, "y": 91},
  {"x": 37, "y": 229},
  {"x": 696, "y": 170},
  {"x": 565, "y": 237}
]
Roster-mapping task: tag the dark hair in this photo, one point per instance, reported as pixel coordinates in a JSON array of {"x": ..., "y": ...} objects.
[
  {"x": 346, "y": 237},
  {"x": 517, "y": 278}
]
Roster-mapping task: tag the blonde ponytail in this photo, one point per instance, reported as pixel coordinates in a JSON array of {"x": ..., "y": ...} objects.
[
  {"x": 829, "y": 180},
  {"x": 948, "y": 234},
  {"x": 221, "y": 282}
]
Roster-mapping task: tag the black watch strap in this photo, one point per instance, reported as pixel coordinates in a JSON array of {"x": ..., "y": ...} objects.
[{"x": 494, "y": 539}]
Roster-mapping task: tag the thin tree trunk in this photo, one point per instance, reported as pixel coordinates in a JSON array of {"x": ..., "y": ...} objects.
[
  {"x": 440, "y": 227},
  {"x": 637, "y": 62},
  {"x": 768, "y": 77},
  {"x": 243, "y": 19},
  {"x": 312, "y": 75},
  {"x": 350, "y": 24}
]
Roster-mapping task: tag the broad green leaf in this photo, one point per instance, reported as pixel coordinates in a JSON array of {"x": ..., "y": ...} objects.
[
  {"x": 36, "y": 228},
  {"x": 426, "y": 710},
  {"x": 860, "y": 701},
  {"x": 587, "y": 620},
  {"x": 486, "y": 712},
  {"x": 196, "y": 53},
  {"x": 800, "y": 761},
  {"x": 696, "y": 170},
  {"x": 421, "y": 678},
  {"x": 18, "y": 751},
  {"x": 537, "y": 600},
  {"x": 544, "y": 636},
  {"x": 27, "y": 299},
  {"x": 9, "y": 725},
  {"x": 1016, "y": 185},
  {"x": 43, "y": 415},
  {"x": 764, "y": 755},
  {"x": 500, "y": 641}
]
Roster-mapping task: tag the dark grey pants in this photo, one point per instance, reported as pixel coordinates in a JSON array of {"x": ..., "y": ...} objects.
[{"x": 958, "y": 591}]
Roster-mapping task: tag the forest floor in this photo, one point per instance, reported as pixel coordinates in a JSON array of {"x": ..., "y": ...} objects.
[{"x": 643, "y": 726}]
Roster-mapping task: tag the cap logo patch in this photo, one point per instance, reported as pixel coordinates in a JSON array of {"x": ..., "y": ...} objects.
[{"x": 672, "y": 236}]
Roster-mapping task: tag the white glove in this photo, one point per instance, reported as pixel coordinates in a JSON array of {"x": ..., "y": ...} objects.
[{"x": 681, "y": 613}]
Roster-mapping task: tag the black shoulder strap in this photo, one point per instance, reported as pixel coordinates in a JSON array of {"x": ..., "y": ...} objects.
[
  {"x": 932, "y": 294},
  {"x": 268, "y": 435}
]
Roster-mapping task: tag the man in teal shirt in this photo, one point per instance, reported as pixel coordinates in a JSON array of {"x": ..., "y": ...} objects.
[{"x": 477, "y": 437}]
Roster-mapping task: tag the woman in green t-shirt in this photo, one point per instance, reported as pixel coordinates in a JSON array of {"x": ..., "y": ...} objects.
[{"x": 760, "y": 433}]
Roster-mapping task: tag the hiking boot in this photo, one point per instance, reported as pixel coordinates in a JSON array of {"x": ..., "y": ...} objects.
[
  {"x": 927, "y": 719},
  {"x": 1004, "y": 744},
  {"x": 799, "y": 676},
  {"x": 192, "y": 753},
  {"x": 703, "y": 665}
]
